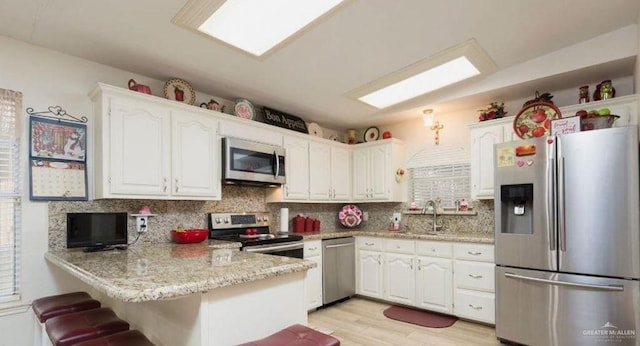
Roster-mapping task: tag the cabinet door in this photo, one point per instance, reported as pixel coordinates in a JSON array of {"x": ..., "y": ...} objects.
[
  {"x": 297, "y": 168},
  {"x": 482, "y": 153},
  {"x": 361, "y": 169},
  {"x": 196, "y": 156},
  {"x": 379, "y": 171},
  {"x": 313, "y": 284},
  {"x": 433, "y": 284},
  {"x": 319, "y": 171},
  {"x": 370, "y": 273},
  {"x": 140, "y": 156},
  {"x": 399, "y": 278},
  {"x": 340, "y": 174}
]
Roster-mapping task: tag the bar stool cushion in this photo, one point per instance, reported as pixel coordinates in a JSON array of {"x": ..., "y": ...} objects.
[
  {"x": 75, "y": 327},
  {"x": 53, "y": 306},
  {"x": 296, "y": 335},
  {"x": 128, "y": 338}
]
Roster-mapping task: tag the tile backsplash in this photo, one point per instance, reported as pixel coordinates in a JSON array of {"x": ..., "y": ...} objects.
[{"x": 192, "y": 214}]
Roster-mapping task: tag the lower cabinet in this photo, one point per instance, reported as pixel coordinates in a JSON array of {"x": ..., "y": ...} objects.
[
  {"x": 313, "y": 279},
  {"x": 369, "y": 272},
  {"x": 474, "y": 282},
  {"x": 399, "y": 278},
  {"x": 434, "y": 284},
  {"x": 450, "y": 278}
]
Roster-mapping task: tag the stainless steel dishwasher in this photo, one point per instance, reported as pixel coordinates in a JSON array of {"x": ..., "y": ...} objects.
[{"x": 338, "y": 269}]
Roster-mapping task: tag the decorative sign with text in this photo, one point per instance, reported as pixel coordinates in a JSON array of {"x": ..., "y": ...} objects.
[
  {"x": 284, "y": 120},
  {"x": 565, "y": 125}
]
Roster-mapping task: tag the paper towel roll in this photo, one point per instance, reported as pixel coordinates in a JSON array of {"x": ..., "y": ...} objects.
[{"x": 284, "y": 220}]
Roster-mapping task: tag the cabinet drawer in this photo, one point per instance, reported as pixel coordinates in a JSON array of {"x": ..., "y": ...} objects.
[
  {"x": 434, "y": 249},
  {"x": 368, "y": 243},
  {"x": 474, "y": 252},
  {"x": 478, "y": 306},
  {"x": 474, "y": 275},
  {"x": 312, "y": 248},
  {"x": 400, "y": 246}
]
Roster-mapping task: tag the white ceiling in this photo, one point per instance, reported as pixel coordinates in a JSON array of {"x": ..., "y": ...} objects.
[{"x": 309, "y": 76}]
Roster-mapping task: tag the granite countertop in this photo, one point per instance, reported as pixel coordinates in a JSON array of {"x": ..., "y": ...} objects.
[
  {"x": 466, "y": 237},
  {"x": 147, "y": 272}
]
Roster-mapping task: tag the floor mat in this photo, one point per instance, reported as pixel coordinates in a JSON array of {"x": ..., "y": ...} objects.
[{"x": 420, "y": 317}]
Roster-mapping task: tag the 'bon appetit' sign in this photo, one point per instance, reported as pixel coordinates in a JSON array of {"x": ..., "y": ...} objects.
[{"x": 284, "y": 120}]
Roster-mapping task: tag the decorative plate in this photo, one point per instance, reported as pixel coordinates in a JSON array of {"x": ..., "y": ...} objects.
[
  {"x": 534, "y": 120},
  {"x": 244, "y": 109},
  {"x": 350, "y": 216},
  {"x": 371, "y": 134},
  {"x": 179, "y": 90},
  {"x": 315, "y": 130}
]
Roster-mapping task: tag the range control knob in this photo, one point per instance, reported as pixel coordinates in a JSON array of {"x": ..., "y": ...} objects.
[
  {"x": 218, "y": 220},
  {"x": 226, "y": 220},
  {"x": 259, "y": 219},
  {"x": 265, "y": 219}
]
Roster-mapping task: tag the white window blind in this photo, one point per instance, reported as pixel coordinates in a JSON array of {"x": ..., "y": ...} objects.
[
  {"x": 10, "y": 105},
  {"x": 448, "y": 182}
]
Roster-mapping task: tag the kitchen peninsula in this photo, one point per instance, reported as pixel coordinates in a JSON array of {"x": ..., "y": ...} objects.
[{"x": 192, "y": 294}]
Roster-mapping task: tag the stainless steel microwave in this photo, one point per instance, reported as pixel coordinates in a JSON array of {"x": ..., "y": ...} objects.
[{"x": 252, "y": 163}]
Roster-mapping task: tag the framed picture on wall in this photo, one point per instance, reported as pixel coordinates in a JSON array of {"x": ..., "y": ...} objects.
[{"x": 55, "y": 139}]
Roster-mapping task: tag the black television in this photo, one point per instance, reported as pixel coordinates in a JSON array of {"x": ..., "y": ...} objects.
[{"x": 96, "y": 231}]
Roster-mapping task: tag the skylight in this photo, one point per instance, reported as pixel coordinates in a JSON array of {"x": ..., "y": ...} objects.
[
  {"x": 422, "y": 83},
  {"x": 257, "y": 26}
]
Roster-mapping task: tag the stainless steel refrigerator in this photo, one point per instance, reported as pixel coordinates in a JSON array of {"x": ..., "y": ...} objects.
[{"x": 568, "y": 239}]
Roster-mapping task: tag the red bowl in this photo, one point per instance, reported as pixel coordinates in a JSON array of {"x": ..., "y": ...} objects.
[{"x": 189, "y": 236}]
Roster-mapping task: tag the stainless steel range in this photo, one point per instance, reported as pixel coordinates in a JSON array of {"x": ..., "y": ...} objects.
[{"x": 252, "y": 231}]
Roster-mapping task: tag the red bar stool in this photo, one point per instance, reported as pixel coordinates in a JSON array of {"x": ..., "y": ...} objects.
[
  {"x": 128, "y": 338},
  {"x": 69, "y": 329},
  {"x": 52, "y": 306},
  {"x": 296, "y": 334}
]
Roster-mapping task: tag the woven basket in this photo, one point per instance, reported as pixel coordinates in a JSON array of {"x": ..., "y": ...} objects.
[{"x": 598, "y": 122}]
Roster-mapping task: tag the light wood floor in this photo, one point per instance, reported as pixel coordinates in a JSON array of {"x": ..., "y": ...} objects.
[{"x": 359, "y": 321}]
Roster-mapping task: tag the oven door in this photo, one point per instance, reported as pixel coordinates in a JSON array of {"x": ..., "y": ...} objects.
[
  {"x": 251, "y": 162},
  {"x": 291, "y": 249}
]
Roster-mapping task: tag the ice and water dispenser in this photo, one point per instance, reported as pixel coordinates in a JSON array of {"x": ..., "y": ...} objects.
[{"x": 516, "y": 203}]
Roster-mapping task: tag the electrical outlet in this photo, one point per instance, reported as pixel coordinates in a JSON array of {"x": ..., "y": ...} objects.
[
  {"x": 397, "y": 217},
  {"x": 141, "y": 223},
  {"x": 365, "y": 216}
]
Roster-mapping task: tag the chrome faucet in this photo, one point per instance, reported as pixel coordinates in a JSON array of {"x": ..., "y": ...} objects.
[{"x": 433, "y": 204}]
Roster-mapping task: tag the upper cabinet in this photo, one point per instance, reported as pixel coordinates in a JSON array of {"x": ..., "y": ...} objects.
[
  {"x": 485, "y": 135},
  {"x": 329, "y": 172},
  {"x": 149, "y": 149},
  {"x": 296, "y": 169},
  {"x": 374, "y": 171}
]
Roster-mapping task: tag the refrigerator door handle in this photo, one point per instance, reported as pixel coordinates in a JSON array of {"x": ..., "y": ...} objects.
[
  {"x": 562, "y": 235},
  {"x": 551, "y": 226},
  {"x": 565, "y": 283}
]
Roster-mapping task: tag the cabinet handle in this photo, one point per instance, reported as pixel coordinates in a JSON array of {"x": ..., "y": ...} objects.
[
  {"x": 411, "y": 264},
  {"x": 433, "y": 250},
  {"x": 419, "y": 265},
  {"x": 286, "y": 191},
  {"x": 177, "y": 185},
  {"x": 334, "y": 193},
  {"x": 475, "y": 253},
  {"x": 475, "y": 307},
  {"x": 164, "y": 189},
  {"x": 379, "y": 260},
  {"x": 312, "y": 248},
  {"x": 475, "y": 276},
  {"x": 368, "y": 244}
]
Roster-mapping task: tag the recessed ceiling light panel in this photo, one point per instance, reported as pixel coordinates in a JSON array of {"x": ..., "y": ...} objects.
[
  {"x": 254, "y": 26},
  {"x": 445, "y": 68}
]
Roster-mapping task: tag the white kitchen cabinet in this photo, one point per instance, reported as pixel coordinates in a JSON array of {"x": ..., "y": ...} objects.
[
  {"x": 434, "y": 285},
  {"x": 319, "y": 171},
  {"x": 195, "y": 155},
  {"x": 313, "y": 278},
  {"x": 474, "y": 282},
  {"x": 374, "y": 167},
  {"x": 241, "y": 128},
  {"x": 149, "y": 148},
  {"x": 399, "y": 278},
  {"x": 369, "y": 271},
  {"x": 296, "y": 168},
  {"x": 340, "y": 173},
  {"x": 483, "y": 138}
]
